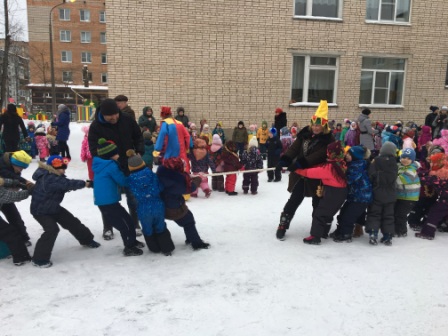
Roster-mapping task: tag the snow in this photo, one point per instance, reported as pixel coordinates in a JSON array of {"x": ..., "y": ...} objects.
[{"x": 248, "y": 283}]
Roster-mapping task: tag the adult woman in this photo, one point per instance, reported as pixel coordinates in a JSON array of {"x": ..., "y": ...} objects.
[
  {"x": 63, "y": 125},
  {"x": 11, "y": 122},
  {"x": 366, "y": 130}
]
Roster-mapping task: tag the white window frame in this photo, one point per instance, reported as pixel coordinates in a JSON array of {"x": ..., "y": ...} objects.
[
  {"x": 88, "y": 57},
  {"x": 394, "y": 21},
  {"x": 84, "y": 35},
  {"x": 67, "y": 96},
  {"x": 309, "y": 10},
  {"x": 102, "y": 16},
  {"x": 102, "y": 76},
  {"x": 375, "y": 71},
  {"x": 83, "y": 13},
  {"x": 105, "y": 56},
  {"x": 63, "y": 36},
  {"x": 103, "y": 40},
  {"x": 67, "y": 55},
  {"x": 71, "y": 76},
  {"x": 65, "y": 14},
  {"x": 306, "y": 79}
]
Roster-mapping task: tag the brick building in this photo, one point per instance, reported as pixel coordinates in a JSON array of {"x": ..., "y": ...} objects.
[
  {"x": 79, "y": 40},
  {"x": 239, "y": 59}
]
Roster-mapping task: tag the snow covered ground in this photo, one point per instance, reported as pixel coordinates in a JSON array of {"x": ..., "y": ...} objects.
[{"x": 248, "y": 283}]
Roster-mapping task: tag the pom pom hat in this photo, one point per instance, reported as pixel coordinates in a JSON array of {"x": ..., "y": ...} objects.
[
  {"x": 135, "y": 162},
  {"x": 20, "y": 159},
  {"x": 106, "y": 148},
  {"x": 57, "y": 162}
]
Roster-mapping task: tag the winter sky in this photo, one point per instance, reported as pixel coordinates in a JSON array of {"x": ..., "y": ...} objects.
[{"x": 18, "y": 13}]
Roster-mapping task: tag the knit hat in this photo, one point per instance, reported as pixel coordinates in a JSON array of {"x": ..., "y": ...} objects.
[
  {"x": 192, "y": 126},
  {"x": 444, "y": 108},
  {"x": 20, "y": 159},
  {"x": 408, "y": 153},
  {"x": 284, "y": 131},
  {"x": 205, "y": 126},
  {"x": 57, "y": 162},
  {"x": 165, "y": 111},
  {"x": 357, "y": 152},
  {"x": 109, "y": 107},
  {"x": 253, "y": 142},
  {"x": 121, "y": 98},
  {"x": 444, "y": 133},
  {"x": 437, "y": 160},
  {"x": 392, "y": 129},
  {"x": 40, "y": 130},
  {"x": 106, "y": 148},
  {"x": 434, "y": 149},
  {"x": 433, "y": 108},
  {"x": 216, "y": 140},
  {"x": 273, "y": 130},
  {"x": 347, "y": 121},
  {"x": 31, "y": 124},
  {"x": 366, "y": 111},
  {"x": 388, "y": 148},
  {"x": 264, "y": 123},
  {"x": 135, "y": 162},
  {"x": 219, "y": 123},
  {"x": 147, "y": 135},
  {"x": 321, "y": 115},
  {"x": 278, "y": 110}
]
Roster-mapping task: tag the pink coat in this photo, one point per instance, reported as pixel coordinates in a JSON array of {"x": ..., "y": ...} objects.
[
  {"x": 324, "y": 173},
  {"x": 85, "y": 152},
  {"x": 443, "y": 141},
  {"x": 42, "y": 146}
]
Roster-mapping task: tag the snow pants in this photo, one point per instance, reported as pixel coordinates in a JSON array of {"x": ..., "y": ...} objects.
[
  {"x": 437, "y": 213},
  {"x": 11, "y": 236},
  {"x": 120, "y": 219},
  {"x": 250, "y": 179},
  {"x": 204, "y": 186},
  {"x": 13, "y": 217},
  {"x": 419, "y": 213},
  {"x": 230, "y": 182},
  {"x": 296, "y": 198},
  {"x": 218, "y": 183},
  {"x": 381, "y": 216},
  {"x": 401, "y": 212},
  {"x": 348, "y": 217},
  {"x": 132, "y": 206},
  {"x": 188, "y": 223}
]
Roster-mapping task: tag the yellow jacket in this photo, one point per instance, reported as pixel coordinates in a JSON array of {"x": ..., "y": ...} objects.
[{"x": 262, "y": 135}]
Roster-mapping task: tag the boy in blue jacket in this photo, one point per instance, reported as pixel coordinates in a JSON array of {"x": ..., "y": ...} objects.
[
  {"x": 107, "y": 195},
  {"x": 48, "y": 193}
]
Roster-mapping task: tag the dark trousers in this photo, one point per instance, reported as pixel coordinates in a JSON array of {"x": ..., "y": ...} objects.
[
  {"x": 240, "y": 148},
  {"x": 188, "y": 223},
  {"x": 132, "y": 206},
  {"x": 349, "y": 215},
  {"x": 277, "y": 173},
  {"x": 250, "y": 179},
  {"x": 12, "y": 238},
  {"x": 327, "y": 208},
  {"x": 262, "y": 148},
  {"x": 63, "y": 149},
  {"x": 401, "y": 212},
  {"x": 419, "y": 213},
  {"x": 296, "y": 198},
  {"x": 119, "y": 218},
  {"x": 160, "y": 242},
  {"x": 13, "y": 218},
  {"x": 11, "y": 145},
  {"x": 380, "y": 216},
  {"x": 218, "y": 183},
  {"x": 437, "y": 213},
  {"x": 49, "y": 223}
]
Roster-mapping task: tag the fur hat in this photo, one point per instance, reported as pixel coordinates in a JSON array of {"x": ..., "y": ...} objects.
[
  {"x": 388, "y": 148},
  {"x": 135, "y": 162},
  {"x": 278, "y": 110},
  {"x": 109, "y": 107},
  {"x": 165, "y": 111},
  {"x": 106, "y": 148},
  {"x": 357, "y": 152},
  {"x": 57, "y": 162},
  {"x": 20, "y": 159},
  {"x": 273, "y": 131},
  {"x": 253, "y": 142},
  {"x": 408, "y": 153},
  {"x": 121, "y": 98}
]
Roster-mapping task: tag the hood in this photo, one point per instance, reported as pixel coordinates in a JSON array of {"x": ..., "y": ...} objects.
[
  {"x": 99, "y": 163},
  {"x": 362, "y": 118},
  {"x": 426, "y": 129}
]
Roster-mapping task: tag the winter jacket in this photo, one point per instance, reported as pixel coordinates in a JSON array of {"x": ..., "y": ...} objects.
[
  {"x": 216, "y": 156},
  {"x": 442, "y": 141},
  {"x": 408, "y": 183},
  {"x": 149, "y": 148},
  {"x": 274, "y": 147},
  {"x": 342, "y": 136},
  {"x": 208, "y": 135},
  {"x": 424, "y": 137},
  {"x": 325, "y": 173},
  {"x": 440, "y": 186},
  {"x": 408, "y": 143},
  {"x": 221, "y": 134},
  {"x": 147, "y": 121},
  {"x": 262, "y": 135},
  {"x": 280, "y": 121},
  {"x": 183, "y": 119},
  {"x": 63, "y": 125},
  {"x": 85, "y": 152},
  {"x": 359, "y": 184},
  {"x": 352, "y": 137},
  {"x": 240, "y": 135},
  {"x": 430, "y": 118},
  {"x": 286, "y": 141},
  {"x": 49, "y": 191},
  {"x": 438, "y": 125},
  {"x": 109, "y": 179},
  {"x": 129, "y": 112},
  {"x": 11, "y": 196},
  {"x": 383, "y": 173},
  {"x": 7, "y": 170},
  {"x": 231, "y": 160},
  {"x": 202, "y": 165},
  {"x": 11, "y": 124},
  {"x": 125, "y": 134},
  {"x": 366, "y": 136},
  {"x": 42, "y": 145},
  {"x": 251, "y": 159}
]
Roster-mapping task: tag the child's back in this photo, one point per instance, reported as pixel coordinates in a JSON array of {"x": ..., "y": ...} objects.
[{"x": 108, "y": 181}]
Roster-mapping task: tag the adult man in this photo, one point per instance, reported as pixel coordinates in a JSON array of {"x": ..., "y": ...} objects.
[
  {"x": 112, "y": 124},
  {"x": 122, "y": 103}
]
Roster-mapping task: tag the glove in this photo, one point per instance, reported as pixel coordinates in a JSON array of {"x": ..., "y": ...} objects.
[
  {"x": 89, "y": 184},
  {"x": 155, "y": 154},
  {"x": 196, "y": 181}
]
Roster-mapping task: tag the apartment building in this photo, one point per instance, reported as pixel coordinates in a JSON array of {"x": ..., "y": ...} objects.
[
  {"x": 240, "y": 59},
  {"x": 79, "y": 51}
]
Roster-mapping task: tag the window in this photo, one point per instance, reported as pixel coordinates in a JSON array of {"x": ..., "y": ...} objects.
[
  {"x": 66, "y": 56},
  {"x": 86, "y": 57},
  {"x": 104, "y": 78},
  {"x": 102, "y": 37},
  {"x": 68, "y": 96},
  {"x": 382, "y": 81},
  {"x": 64, "y": 14},
  {"x": 319, "y": 8},
  {"x": 388, "y": 10},
  {"x": 314, "y": 79},
  {"x": 84, "y": 15},
  {"x": 65, "y": 36},
  {"x": 89, "y": 74},
  {"x": 103, "y": 17},
  {"x": 86, "y": 37},
  {"x": 103, "y": 58},
  {"x": 67, "y": 76},
  {"x": 446, "y": 77}
]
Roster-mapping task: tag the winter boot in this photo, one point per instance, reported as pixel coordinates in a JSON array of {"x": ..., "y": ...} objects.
[
  {"x": 373, "y": 237},
  {"x": 200, "y": 246},
  {"x": 138, "y": 232},
  {"x": 311, "y": 240},
  {"x": 132, "y": 251},
  {"x": 387, "y": 239},
  {"x": 207, "y": 192},
  {"x": 152, "y": 243},
  {"x": 165, "y": 242},
  {"x": 285, "y": 219},
  {"x": 42, "y": 263},
  {"x": 358, "y": 231},
  {"x": 231, "y": 193},
  {"x": 139, "y": 244},
  {"x": 92, "y": 244},
  {"x": 423, "y": 236},
  {"x": 342, "y": 238},
  {"x": 108, "y": 235},
  {"x": 214, "y": 183}
]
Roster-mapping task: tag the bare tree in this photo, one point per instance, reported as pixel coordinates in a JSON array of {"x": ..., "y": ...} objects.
[{"x": 42, "y": 64}]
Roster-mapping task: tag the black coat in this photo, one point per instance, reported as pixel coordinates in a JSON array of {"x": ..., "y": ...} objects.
[
  {"x": 126, "y": 134},
  {"x": 280, "y": 121},
  {"x": 11, "y": 124},
  {"x": 383, "y": 172}
]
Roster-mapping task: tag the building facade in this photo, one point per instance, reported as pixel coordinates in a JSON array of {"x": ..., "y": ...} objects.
[
  {"x": 79, "y": 51},
  {"x": 239, "y": 59}
]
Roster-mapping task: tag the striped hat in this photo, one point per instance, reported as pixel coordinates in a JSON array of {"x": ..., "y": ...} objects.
[
  {"x": 106, "y": 148},
  {"x": 20, "y": 159}
]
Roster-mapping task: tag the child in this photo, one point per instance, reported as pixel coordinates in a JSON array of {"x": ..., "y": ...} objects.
[
  {"x": 215, "y": 154},
  {"x": 200, "y": 164},
  {"x": 359, "y": 193},
  {"x": 251, "y": 159},
  {"x": 231, "y": 163},
  {"x": 408, "y": 190},
  {"x": 176, "y": 183},
  {"x": 286, "y": 139},
  {"x": 344, "y": 131},
  {"x": 337, "y": 132},
  {"x": 42, "y": 144},
  {"x": 408, "y": 138},
  {"x": 86, "y": 156},
  {"x": 352, "y": 136},
  {"x": 146, "y": 188},
  {"x": 193, "y": 132},
  {"x": 218, "y": 130},
  {"x": 31, "y": 128},
  {"x": 206, "y": 133},
  {"x": 49, "y": 191},
  {"x": 443, "y": 140},
  {"x": 107, "y": 195},
  {"x": 53, "y": 143},
  {"x": 438, "y": 179},
  {"x": 274, "y": 148},
  {"x": 332, "y": 174},
  {"x": 383, "y": 173},
  {"x": 252, "y": 132},
  {"x": 239, "y": 137},
  {"x": 149, "y": 148},
  {"x": 262, "y": 137}
]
